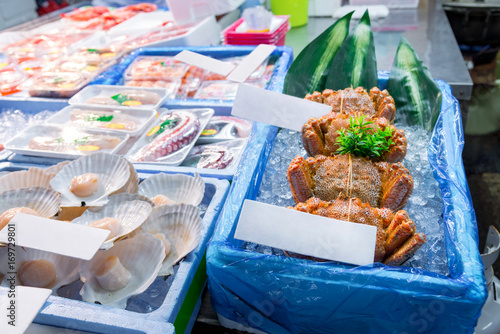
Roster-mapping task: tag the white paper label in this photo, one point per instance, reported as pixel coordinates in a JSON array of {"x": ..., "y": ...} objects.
[
  {"x": 306, "y": 234},
  {"x": 251, "y": 62},
  {"x": 20, "y": 306},
  {"x": 207, "y": 63},
  {"x": 55, "y": 236},
  {"x": 273, "y": 108}
]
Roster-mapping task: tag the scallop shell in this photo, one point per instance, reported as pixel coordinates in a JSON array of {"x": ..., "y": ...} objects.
[
  {"x": 66, "y": 267},
  {"x": 132, "y": 185},
  {"x": 178, "y": 187},
  {"x": 44, "y": 201},
  {"x": 56, "y": 168},
  {"x": 141, "y": 255},
  {"x": 113, "y": 172},
  {"x": 181, "y": 225},
  {"x": 68, "y": 213},
  {"x": 130, "y": 215},
  {"x": 25, "y": 179},
  {"x": 124, "y": 197}
]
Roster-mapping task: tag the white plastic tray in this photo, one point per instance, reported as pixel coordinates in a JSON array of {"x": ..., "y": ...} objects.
[
  {"x": 176, "y": 158},
  {"x": 142, "y": 116},
  {"x": 108, "y": 91},
  {"x": 19, "y": 144}
]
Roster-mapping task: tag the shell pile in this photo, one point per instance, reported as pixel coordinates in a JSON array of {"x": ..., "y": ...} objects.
[{"x": 153, "y": 225}]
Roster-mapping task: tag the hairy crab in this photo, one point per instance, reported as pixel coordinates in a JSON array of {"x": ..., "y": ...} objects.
[
  {"x": 396, "y": 237},
  {"x": 381, "y": 184},
  {"x": 319, "y": 136},
  {"x": 348, "y": 101}
]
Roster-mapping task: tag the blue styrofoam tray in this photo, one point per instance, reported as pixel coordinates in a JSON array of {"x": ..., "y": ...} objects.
[
  {"x": 180, "y": 305},
  {"x": 277, "y": 294},
  {"x": 113, "y": 76}
]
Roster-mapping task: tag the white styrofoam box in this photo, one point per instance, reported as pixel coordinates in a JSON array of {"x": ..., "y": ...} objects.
[
  {"x": 186, "y": 11},
  {"x": 19, "y": 12},
  {"x": 323, "y": 7}
]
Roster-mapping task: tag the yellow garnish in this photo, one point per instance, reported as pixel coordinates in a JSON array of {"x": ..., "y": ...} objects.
[
  {"x": 116, "y": 126},
  {"x": 153, "y": 130},
  {"x": 88, "y": 148},
  {"x": 131, "y": 103}
]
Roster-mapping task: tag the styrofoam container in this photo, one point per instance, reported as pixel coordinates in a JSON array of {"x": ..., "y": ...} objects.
[
  {"x": 180, "y": 304},
  {"x": 80, "y": 99},
  {"x": 175, "y": 158},
  {"x": 142, "y": 117},
  {"x": 20, "y": 142},
  {"x": 277, "y": 294}
]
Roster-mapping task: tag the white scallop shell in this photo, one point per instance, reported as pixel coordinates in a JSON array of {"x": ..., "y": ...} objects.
[
  {"x": 56, "y": 168},
  {"x": 25, "y": 179},
  {"x": 181, "y": 225},
  {"x": 132, "y": 185},
  {"x": 130, "y": 216},
  {"x": 124, "y": 197},
  {"x": 44, "y": 201},
  {"x": 178, "y": 187},
  {"x": 113, "y": 172},
  {"x": 141, "y": 255},
  {"x": 66, "y": 267}
]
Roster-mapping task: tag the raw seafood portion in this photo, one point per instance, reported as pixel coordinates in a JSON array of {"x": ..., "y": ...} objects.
[
  {"x": 380, "y": 184},
  {"x": 209, "y": 156},
  {"x": 396, "y": 237},
  {"x": 84, "y": 185},
  {"x": 175, "y": 131},
  {"x": 225, "y": 128},
  {"x": 348, "y": 101},
  {"x": 7, "y": 216},
  {"x": 61, "y": 84},
  {"x": 82, "y": 143},
  {"x": 156, "y": 68},
  {"x": 127, "y": 98},
  {"x": 114, "y": 120}
]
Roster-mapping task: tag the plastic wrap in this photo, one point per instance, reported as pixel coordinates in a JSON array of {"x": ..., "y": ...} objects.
[{"x": 277, "y": 294}]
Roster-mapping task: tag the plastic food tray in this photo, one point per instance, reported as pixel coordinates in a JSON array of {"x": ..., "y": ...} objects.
[
  {"x": 275, "y": 294},
  {"x": 108, "y": 91},
  {"x": 142, "y": 116},
  {"x": 182, "y": 301}
]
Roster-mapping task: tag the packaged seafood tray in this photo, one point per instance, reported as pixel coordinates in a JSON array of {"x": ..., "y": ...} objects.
[
  {"x": 64, "y": 142},
  {"x": 155, "y": 68},
  {"x": 282, "y": 57},
  {"x": 114, "y": 96},
  {"x": 175, "y": 299},
  {"x": 56, "y": 84},
  {"x": 170, "y": 138},
  {"x": 130, "y": 121},
  {"x": 260, "y": 289},
  {"x": 169, "y": 86}
]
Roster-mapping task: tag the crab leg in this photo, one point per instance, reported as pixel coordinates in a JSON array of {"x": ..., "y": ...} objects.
[
  {"x": 398, "y": 237},
  {"x": 407, "y": 250},
  {"x": 300, "y": 179},
  {"x": 397, "y": 186}
]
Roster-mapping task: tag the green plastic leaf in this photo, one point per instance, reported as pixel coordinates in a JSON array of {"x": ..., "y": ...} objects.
[
  {"x": 309, "y": 71},
  {"x": 416, "y": 93},
  {"x": 356, "y": 63}
]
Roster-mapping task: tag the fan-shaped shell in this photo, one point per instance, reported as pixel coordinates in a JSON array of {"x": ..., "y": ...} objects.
[
  {"x": 132, "y": 185},
  {"x": 56, "y": 168},
  {"x": 25, "y": 179},
  {"x": 66, "y": 268},
  {"x": 124, "y": 197},
  {"x": 44, "y": 201},
  {"x": 112, "y": 170},
  {"x": 141, "y": 255},
  {"x": 130, "y": 215},
  {"x": 181, "y": 225},
  {"x": 179, "y": 188}
]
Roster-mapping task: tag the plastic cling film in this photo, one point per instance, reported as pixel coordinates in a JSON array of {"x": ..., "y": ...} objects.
[{"x": 276, "y": 294}]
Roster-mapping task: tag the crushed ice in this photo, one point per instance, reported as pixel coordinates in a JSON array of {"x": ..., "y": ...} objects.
[
  {"x": 424, "y": 206},
  {"x": 15, "y": 121}
]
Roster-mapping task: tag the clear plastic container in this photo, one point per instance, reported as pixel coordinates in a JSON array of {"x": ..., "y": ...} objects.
[
  {"x": 10, "y": 79},
  {"x": 156, "y": 67},
  {"x": 171, "y": 86},
  {"x": 59, "y": 85},
  {"x": 217, "y": 90},
  {"x": 236, "y": 61}
]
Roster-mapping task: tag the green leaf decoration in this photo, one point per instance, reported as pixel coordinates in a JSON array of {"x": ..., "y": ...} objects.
[
  {"x": 355, "y": 63},
  {"x": 309, "y": 71},
  {"x": 417, "y": 96}
]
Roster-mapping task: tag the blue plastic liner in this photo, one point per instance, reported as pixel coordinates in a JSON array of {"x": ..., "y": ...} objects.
[
  {"x": 278, "y": 294},
  {"x": 79, "y": 315}
]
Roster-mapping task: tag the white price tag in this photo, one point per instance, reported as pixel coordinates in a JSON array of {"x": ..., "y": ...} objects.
[{"x": 306, "y": 234}]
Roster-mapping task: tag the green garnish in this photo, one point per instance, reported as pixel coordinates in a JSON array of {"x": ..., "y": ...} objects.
[
  {"x": 58, "y": 80},
  {"x": 82, "y": 140},
  {"x": 168, "y": 124},
  {"x": 60, "y": 140},
  {"x": 97, "y": 118},
  {"x": 92, "y": 50},
  {"x": 120, "y": 98},
  {"x": 363, "y": 141}
]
